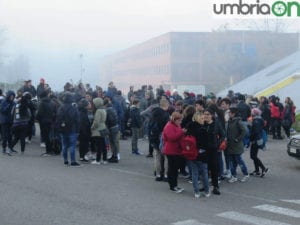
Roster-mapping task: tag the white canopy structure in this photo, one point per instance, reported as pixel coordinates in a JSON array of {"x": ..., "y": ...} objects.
[{"x": 281, "y": 79}]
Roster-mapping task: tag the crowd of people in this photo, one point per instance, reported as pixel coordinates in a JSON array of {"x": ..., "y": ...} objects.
[{"x": 94, "y": 119}]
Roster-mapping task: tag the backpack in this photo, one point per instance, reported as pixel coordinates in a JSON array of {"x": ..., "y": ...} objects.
[{"x": 189, "y": 147}]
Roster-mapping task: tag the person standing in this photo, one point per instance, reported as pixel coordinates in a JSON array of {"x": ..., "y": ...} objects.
[
  {"x": 235, "y": 147},
  {"x": 97, "y": 125},
  {"x": 212, "y": 127},
  {"x": 288, "y": 116},
  {"x": 84, "y": 129},
  {"x": 199, "y": 165},
  {"x": 136, "y": 124},
  {"x": 46, "y": 117},
  {"x": 68, "y": 127},
  {"x": 172, "y": 135},
  {"x": 6, "y": 121},
  {"x": 256, "y": 134},
  {"x": 159, "y": 117},
  {"x": 22, "y": 117}
]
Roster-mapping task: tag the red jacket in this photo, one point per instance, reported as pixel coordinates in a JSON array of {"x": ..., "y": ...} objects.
[
  {"x": 275, "y": 111},
  {"x": 172, "y": 135}
]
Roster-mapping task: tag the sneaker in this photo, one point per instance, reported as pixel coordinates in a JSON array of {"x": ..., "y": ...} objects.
[
  {"x": 149, "y": 156},
  {"x": 136, "y": 152},
  {"x": 264, "y": 172},
  {"x": 83, "y": 160},
  {"x": 207, "y": 194},
  {"x": 232, "y": 179},
  {"x": 86, "y": 157},
  {"x": 255, "y": 173},
  {"x": 113, "y": 160},
  {"x": 66, "y": 163},
  {"x": 13, "y": 151},
  {"x": 190, "y": 181},
  {"x": 216, "y": 191},
  {"x": 159, "y": 179},
  {"x": 93, "y": 156},
  {"x": 177, "y": 189},
  {"x": 45, "y": 154},
  {"x": 197, "y": 195},
  {"x": 185, "y": 174},
  {"x": 27, "y": 141},
  {"x": 104, "y": 162},
  {"x": 95, "y": 162},
  {"x": 43, "y": 145},
  {"x": 76, "y": 164},
  {"x": 245, "y": 178}
]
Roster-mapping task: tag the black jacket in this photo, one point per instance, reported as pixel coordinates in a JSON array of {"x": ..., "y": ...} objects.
[
  {"x": 46, "y": 111},
  {"x": 200, "y": 133},
  {"x": 68, "y": 114},
  {"x": 136, "y": 118},
  {"x": 84, "y": 125}
]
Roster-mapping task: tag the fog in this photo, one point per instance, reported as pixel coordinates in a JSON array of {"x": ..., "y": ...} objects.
[
  {"x": 53, "y": 34},
  {"x": 50, "y": 35}
]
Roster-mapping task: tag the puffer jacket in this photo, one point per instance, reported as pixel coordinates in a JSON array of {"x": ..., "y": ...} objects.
[
  {"x": 235, "y": 134},
  {"x": 99, "y": 117},
  {"x": 172, "y": 135}
]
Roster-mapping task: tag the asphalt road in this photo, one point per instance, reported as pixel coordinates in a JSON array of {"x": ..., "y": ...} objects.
[{"x": 38, "y": 190}]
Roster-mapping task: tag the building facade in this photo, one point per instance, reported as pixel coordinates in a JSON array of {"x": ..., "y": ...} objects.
[{"x": 212, "y": 59}]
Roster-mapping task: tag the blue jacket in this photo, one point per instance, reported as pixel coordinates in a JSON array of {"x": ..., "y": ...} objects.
[{"x": 6, "y": 109}]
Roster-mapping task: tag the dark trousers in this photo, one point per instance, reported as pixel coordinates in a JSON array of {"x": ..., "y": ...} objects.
[
  {"x": 276, "y": 127},
  {"x": 45, "y": 134},
  {"x": 173, "y": 167},
  {"x": 100, "y": 148},
  {"x": 84, "y": 143},
  {"x": 150, "y": 149},
  {"x": 20, "y": 133},
  {"x": 6, "y": 135},
  {"x": 213, "y": 166},
  {"x": 30, "y": 129},
  {"x": 253, "y": 155},
  {"x": 287, "y": 129}
]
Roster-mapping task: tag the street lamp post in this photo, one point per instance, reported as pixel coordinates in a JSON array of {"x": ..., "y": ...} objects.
[{"x": 81, "y": 66}]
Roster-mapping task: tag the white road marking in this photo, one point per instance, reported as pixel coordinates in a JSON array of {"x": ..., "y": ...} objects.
[
  {"x": 292, "y": 201},
  {"x": 279, "y": 210},
  {"x": 189, "y": 222},
  {"x": 249, "y": 219}
]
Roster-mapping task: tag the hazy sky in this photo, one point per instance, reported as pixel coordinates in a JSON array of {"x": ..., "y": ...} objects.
[{"x": 53, "y": 33}]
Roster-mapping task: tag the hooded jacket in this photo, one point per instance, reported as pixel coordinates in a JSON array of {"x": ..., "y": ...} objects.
[
  {"x": 6, "y": 109},
  {"x": 69, "y": 115},
  {"x": 235, "y": 134},
  {"x": 99, "y": 117},
  {"x": 47, "y": 111}
]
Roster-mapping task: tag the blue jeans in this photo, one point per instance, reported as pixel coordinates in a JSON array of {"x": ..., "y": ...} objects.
[
  {"x": 199, "y": 167},
  {"x": 237, "y": 160},
  {"x": 69, "y": 142}
]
